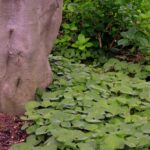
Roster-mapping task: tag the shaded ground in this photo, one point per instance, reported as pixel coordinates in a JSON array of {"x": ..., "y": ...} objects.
[{"x": 10, "y": 131}]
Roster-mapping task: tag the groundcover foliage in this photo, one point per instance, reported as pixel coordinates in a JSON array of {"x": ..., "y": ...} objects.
[{"x": 90, "y": 108}]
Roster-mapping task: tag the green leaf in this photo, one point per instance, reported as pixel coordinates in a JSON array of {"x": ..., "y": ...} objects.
[
  {"x": 42, "y": 130},
  {"x": 31, "y": 105},
  {"x": 146, "y": 128},
  {"x": 132, "y": 141},
  {"x": 52, "y": 96},
  {"x": 51, "y": 143},
  {"x": 112, "y": 142},
  {"x": 67, "y": 136},
  {"x": 68, "y": 103},
  {"x": 82, "y": 39},
  {"x": 32, "y": 129},
  {"x": 85, "y": 146},
  {"x": 21, "y": 146},
  {"x": 147, "y": 67},
  {"x": 123, "y": 42}
]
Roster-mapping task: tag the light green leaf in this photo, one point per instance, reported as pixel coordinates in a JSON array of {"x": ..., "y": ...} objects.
[
  {"x": 85, "y": 146},
  {"x": 123, "y": 42},
  {"x": 112, "y": 142}
]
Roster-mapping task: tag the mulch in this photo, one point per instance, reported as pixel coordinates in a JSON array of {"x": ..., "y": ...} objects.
[{"x": 10, "y": 131}]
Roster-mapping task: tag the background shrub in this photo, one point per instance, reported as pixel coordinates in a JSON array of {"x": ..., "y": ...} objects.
[{"x": 93, "y": 30}]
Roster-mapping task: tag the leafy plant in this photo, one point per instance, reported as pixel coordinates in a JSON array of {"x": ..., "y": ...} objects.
[
  {"x": 90, "y": 108},
  {"x": 124, "y": 27},
  {"x": 137, "y": 15},
  {"x": 147, "y": 67},
  {"x": 82, "y": 43}
]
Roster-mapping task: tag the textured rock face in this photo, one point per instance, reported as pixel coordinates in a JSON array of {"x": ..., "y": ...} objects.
[{"x": 28, "y": 29}]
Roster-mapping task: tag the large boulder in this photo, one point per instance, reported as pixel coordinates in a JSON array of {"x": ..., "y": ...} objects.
[{"x": 28, "y": 29}]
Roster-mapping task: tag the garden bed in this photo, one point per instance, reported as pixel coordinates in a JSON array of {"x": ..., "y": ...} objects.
[{"x": 10, "y": 131}]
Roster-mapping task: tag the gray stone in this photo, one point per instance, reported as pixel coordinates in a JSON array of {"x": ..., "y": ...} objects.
[{"x": 28, "y": 29}]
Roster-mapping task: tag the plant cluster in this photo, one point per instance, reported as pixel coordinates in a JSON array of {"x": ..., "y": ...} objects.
[
  {"x": 90, "y": 28},
  {"x": 90, "y": 108}
]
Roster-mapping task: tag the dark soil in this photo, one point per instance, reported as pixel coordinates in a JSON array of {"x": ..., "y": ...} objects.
[
  {"x": 136, "y": 58},
  {"x": 10, "y": 131}
]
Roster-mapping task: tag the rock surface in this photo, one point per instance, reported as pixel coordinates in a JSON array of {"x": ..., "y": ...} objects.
[{"x": 28, "y": 29}]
